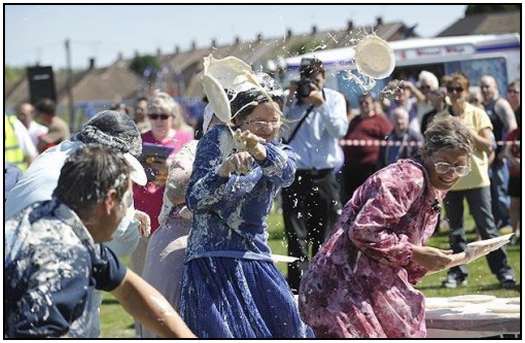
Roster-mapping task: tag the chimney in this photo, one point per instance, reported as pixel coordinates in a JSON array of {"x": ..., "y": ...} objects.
[
  {"x": 213, "y": 43},
  {"x": 349, "y": 25},
  {"x": 237, "y": 40},
  {"x": 91, "y": 63},
  {"x": 159, "y": 52},
  {"x": 379, "y": 21},
  {"x": 177, "y": 49},
  {"x": 289, "y": 33},
  {"x": 120, "y": 57},
  {"x": 193, "y": 45},
  {"x": 314, "y": 30},
  {"x": 137, "y": 55},
  {"x": 259, "y": 37}
]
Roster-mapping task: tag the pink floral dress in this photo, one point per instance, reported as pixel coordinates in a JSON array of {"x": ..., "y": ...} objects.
[{"x": 360, "y": 283}]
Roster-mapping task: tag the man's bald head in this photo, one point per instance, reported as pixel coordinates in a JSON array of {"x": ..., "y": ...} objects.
[
  {"x": 400, "y": 118},
  {"x": 24, "y": 113},
  {"x": 489, "y": 87}
]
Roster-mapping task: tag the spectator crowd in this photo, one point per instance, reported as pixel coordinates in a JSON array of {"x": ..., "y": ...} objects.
[{"x": 189, "y": 205}]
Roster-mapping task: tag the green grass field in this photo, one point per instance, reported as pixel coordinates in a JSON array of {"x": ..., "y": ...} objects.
[{"x": 117, "y": 323}]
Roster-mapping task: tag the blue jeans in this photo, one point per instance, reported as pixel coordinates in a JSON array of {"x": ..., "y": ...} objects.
[
  {"x": 478, "y": 200},
  {"x": 499, "y": 180}
]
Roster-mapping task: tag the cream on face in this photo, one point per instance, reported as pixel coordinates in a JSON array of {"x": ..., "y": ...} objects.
[{"x": 264, "y": 121}]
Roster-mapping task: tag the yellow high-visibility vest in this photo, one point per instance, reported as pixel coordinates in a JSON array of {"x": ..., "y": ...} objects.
[{"x": 13, "y": 152}]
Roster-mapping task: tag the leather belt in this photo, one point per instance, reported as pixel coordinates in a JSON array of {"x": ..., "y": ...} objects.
[{"x": 314, "y": 172}]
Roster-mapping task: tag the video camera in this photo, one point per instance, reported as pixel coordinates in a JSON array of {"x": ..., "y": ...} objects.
[
  {"x": 308, "y": 68},
  {"x": 304, "y": 88}
]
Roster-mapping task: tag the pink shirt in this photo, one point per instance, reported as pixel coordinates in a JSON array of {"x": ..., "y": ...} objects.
[
  {"x": 149, "y": 198},
  {"x": 360, "y": 282}
]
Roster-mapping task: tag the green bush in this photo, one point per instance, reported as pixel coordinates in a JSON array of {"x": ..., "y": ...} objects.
[{"x": 139, "y": 64}]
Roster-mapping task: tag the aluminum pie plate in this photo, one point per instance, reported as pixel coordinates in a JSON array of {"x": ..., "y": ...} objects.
[
  {"x": 443, "y": 303},
  {"x": 284, "y": 258},
  {"x": 473, "y": 298},
  {"x": 495, "y": 241},
  {"x": 513, "y": 301},
  {"x": 503, "y": 308}
]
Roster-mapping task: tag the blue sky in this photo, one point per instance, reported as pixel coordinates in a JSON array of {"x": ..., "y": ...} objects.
[{"x": 37, "y": 32}]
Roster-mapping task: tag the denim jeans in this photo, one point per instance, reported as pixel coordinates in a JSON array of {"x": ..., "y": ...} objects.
[
  {"x": 478, "y": 200},
  {"x": 499, "y": 180}
]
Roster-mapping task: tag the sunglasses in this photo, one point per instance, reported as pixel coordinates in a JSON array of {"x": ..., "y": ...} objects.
[
  {"x": 454, "y": 89},
  {"x": 158, "y": 116}
]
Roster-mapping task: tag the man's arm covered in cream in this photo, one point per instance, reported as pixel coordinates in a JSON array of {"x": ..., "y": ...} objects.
[{"x": 148, "y": 306}]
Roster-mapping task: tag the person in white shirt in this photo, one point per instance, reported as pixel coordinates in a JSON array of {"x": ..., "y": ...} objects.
[
  {"x": 428, "y": 82},
  {"x": 25, "y": 113},
  {"x": 107, "y": 128},
  {"x": 316, "y": 120},
  {"x": 503, "y": 120}
]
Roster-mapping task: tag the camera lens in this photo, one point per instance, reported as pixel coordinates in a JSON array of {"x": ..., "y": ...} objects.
[{"x": 304, "y": 89}]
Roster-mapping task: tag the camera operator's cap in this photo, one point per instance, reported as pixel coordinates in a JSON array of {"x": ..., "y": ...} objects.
[
  {"x": 136, "y": 171},
  {"x": 310, "y": 65}
]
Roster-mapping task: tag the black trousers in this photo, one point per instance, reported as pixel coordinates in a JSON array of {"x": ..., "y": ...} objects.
[
  {"x": 353, "y": 177},
  {"x": 478, "y": 200},
  {"x": 311, "y": 206}
]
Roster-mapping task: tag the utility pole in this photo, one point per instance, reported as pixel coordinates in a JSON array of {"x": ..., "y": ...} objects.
[
  {"x": 38, "y": 55},
  {"x": 69, "y": 86}
]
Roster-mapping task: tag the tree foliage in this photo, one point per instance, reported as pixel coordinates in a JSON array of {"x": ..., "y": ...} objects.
[
  {"x": 145, "y": 66},
  {"x": 304, "y": 46},
  {"x": 13, "y": 73}
]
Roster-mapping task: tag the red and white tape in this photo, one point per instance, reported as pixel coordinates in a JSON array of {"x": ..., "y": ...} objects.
[{"x": 370, "y": 142}]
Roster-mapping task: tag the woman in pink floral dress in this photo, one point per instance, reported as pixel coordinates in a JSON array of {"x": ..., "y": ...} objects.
[{"x": 360, "y": 283}]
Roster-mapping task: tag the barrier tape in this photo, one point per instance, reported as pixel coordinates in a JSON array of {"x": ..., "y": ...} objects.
[{"x": 363, "y": 142}]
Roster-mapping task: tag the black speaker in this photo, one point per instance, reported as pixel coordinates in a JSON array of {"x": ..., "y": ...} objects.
[{"x": 41, "y": 84}]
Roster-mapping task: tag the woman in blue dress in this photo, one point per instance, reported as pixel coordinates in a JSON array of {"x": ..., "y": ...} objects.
[{"x": 230, "y": 287}]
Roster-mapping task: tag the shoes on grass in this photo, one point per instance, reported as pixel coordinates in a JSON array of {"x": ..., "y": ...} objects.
[
  {"x": 453, "y": 282},
  {"x": 507, "y": 282}
]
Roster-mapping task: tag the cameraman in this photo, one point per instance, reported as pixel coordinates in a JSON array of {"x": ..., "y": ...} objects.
[{"x": 315, "y": 121}]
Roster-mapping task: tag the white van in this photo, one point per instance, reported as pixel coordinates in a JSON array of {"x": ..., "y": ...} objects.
[{"x": 497, "y": 55}]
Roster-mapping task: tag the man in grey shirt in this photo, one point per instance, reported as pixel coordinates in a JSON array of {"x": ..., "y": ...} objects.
[{"x": 503, "y": 120}]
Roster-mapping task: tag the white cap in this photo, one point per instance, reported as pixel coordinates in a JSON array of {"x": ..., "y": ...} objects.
[{"x": 137, "y": 173}]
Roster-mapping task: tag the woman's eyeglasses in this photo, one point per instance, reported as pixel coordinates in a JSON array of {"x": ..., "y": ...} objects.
[
  {"x": 444, "y": 168},
  {"x": 158, "y": 116},
  {"x": 513, "y": 91},
  {"x": 454, "y": 89},
  {"x": 265, "y": 124}
]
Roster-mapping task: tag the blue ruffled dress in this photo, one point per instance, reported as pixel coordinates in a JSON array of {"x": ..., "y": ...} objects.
[{"x": 230, "y": 287}]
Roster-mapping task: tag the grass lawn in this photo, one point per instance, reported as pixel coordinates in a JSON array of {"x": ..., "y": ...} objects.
[{"x": 118, "y": 324}]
